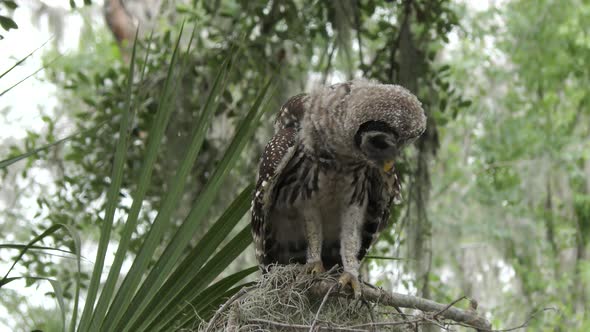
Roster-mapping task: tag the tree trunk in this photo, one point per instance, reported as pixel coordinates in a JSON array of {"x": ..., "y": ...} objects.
[{"x": 411, "y": 68}]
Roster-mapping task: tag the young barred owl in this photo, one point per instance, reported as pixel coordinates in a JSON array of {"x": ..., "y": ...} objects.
[{"x": 327, "y": 179}]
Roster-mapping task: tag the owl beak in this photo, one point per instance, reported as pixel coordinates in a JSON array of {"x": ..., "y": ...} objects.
[{"x": 388, "y": 166}]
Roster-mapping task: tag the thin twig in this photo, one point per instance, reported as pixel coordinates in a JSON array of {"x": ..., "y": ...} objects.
[
  {"x": 233, "y": 321},
  {"x": 399, "y": 310},
  {"x": 371, "y": 310},
  {"x": 25, "y": 58},
  {"x": 396, "y": 45},
  {"x": 227, "y": 304},
  {"x": 329, "y": 64},
  {"x": 357, "y": 21},
  {"x": 29, "y": 76},
  {"x": 317, "y": 314},
  {"x": 523, "y": 325},
  {"x": 434, "y": 322},
  {"x": 448, "y": 306}
]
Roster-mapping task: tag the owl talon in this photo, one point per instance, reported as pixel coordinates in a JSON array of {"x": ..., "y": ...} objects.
[
  {"x": 348, "y": 278},
  {"x": 315, "y": 268}
]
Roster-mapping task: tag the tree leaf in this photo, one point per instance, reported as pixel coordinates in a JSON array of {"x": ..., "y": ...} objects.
[
  {"x": 154, "y": 142},
  {"x": 123, "y": 295},
  {"x": 175, "y": 289},
  {"x": 7, "y": 23},
  {"x": 112, "y": 199},
  {"x": 210, "y": 271},
  {"x": 37, "y": 238},
  {"x": 185, "y": 232}
]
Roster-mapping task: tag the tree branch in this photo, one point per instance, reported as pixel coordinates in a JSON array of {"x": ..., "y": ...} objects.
[
  {"x": 357, "y": 22},
  {"x": 466, "y": 317}
]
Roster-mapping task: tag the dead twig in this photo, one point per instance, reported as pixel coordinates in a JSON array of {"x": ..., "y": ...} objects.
[
  {"x": 317, "y": 315},
  {"x": 371, "y": 311},
  {"x": 227, "y": 304},
  {"x": 233, "y": 321},
  {"x": 448, "y": 306},
  {"x": 523, "y": 325}
]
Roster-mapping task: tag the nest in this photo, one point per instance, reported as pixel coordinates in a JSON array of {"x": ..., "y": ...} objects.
[{"x": 288, "y": 299}]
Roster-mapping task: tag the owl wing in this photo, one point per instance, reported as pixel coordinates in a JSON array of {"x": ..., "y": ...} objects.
[
  {"x": 384, "y": 191},
  {"x": 277, "y": 154}
]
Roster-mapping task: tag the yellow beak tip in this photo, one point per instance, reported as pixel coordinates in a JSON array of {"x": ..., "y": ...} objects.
[{"x": 388, "y": 166}]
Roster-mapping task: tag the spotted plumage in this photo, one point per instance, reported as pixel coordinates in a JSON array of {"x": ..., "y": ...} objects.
[{"x": 327, "y": 178}]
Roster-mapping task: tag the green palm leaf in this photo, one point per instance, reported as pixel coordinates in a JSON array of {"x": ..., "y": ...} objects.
[
  {"x": 175, "y": 288},
  {"x": 112, "y": 202},
  {"x": 183, "y": 235}
]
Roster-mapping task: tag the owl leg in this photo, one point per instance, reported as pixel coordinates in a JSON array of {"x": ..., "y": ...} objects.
[
  {"x": 313, "y": 234},
  {"x": 350, "y": 245}
]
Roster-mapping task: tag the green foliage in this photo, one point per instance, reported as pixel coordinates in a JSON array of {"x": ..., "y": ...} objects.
[
  {"x": 6, "y": 22},
  {"x": 112, "y": 197},
  {"x": 183, "y": 286},
  {"x": 73, "y": 3},
  {"x": 168, "y": 263},
  {"x": 582, "y": 214},
  {"x": 518, "y": 153}
]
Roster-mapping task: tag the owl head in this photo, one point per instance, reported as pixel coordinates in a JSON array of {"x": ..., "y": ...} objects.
[{"x": 367, "y": 120}]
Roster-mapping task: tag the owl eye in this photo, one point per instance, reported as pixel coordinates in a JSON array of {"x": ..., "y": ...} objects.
[
  {"x": 376, "y": 133},
  {"x": 379, "y": 142},
  {"x": 377, "y": 126}
]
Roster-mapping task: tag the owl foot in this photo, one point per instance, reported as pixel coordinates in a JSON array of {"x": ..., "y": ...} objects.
[
  {"x": 315, "y": 268},
  {"x": 347, "y": 278}
]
